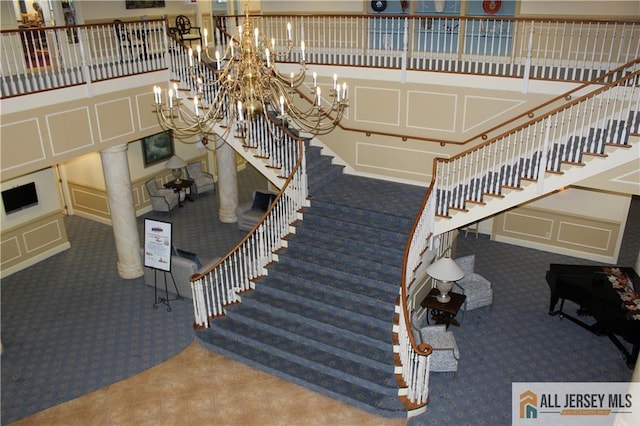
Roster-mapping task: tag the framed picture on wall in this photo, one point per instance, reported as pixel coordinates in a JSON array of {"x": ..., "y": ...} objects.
[
  {"x": 131, "y": 4},
  {"x": 157, "y": 148}
]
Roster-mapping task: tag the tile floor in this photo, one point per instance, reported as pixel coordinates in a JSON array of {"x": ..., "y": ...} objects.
[{"x": 200, "y": 387}]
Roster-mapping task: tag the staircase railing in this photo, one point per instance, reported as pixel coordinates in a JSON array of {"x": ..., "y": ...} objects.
[
  {"x": 235, "y": 273},
  {"x": 583, "y": 126},
  {"x": 615, "y": 102},
  {"x": 48, "y": 58},
  {"x": 34, "y": 60},
  {"x": 281, "y": 150},
  {"x": 527, "y": 48}
]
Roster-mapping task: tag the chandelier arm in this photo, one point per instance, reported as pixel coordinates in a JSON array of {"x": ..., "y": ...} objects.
[{"x": 242, "y": 91}]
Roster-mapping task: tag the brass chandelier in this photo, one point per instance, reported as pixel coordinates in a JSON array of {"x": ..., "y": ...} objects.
[{"x": 242, "y": 85}]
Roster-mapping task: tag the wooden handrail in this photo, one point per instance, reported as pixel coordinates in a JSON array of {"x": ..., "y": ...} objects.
[
  {"x": 530, "y": 122},
  {"x": 529, "y": 113},
  {"x": 253, "y": 230},
  {"x": 432, "y": 15}
]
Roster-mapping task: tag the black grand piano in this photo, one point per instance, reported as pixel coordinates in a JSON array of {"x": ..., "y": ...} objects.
[{"x": 604, "y": 293}]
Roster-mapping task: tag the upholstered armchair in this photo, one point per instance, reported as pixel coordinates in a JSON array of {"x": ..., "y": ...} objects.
[
  {"x": 476, "y": 287},
  {"x": 445, "y": 355},
  {"x": 162, "y": 199},
  {"x": 250, "y": 212},
  {"x": 202, "y": 181}
]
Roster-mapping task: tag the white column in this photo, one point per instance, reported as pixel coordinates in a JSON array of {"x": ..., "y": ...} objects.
[
  {"x": 227, "y": 181},
  {"x": 123, "y": 216}
]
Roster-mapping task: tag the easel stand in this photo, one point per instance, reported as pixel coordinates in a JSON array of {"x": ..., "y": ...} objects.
[{"x": 164, "y": 300}]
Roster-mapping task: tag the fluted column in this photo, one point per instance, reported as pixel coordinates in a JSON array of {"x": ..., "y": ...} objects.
[
  {"x": 115, "y": 168},
  {"x": 227, "y": 181}
]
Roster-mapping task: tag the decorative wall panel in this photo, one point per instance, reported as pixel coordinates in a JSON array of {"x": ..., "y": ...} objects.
[
  {"x": 32, "y": 241},
  {"x": 63, "y": 140},
  {"x": 115, "y": 119},
  {"x": 559, "y": 232},
  {"x": 527, "y": 225},
  {"x": 28, "y": 135},
  {"x": 585, "y": 237},
  {"x": 92, "y": 201},
  {"x": 479, "y": 110},
  {"x": 147, "y": 119},
  {"x": 404, "y": 161},
  {"x": 43, "y": 235},
  {"x": 9, "y": 250},
  {"x": 379, "y": 106},
  {"x": 431, "y": 111}
]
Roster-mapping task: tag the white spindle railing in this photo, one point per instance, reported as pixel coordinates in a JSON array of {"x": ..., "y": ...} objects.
[
  {"x": 236, "y": 272},
  {"x": 47, "y": 58},
  {"x": 571, "y": 50},
  {"x": 585, "y": 125}
]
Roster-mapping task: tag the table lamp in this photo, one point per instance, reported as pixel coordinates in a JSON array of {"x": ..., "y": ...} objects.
[
  {"x": 176, "y": 164},
  {"x": 445, "y": 271}
]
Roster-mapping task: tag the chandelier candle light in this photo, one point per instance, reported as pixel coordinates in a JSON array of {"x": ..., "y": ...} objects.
[{"x": 243, "y": 84}]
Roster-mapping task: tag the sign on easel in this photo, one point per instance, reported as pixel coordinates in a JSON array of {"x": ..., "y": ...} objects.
[{"x": 157, "y": 244}]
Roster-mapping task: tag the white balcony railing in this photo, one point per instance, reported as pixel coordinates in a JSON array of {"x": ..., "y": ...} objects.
[
  {"x": 571, "y": 50},
  {"x": 532, "y": 48},
  {"x": 34, "y": 60}
]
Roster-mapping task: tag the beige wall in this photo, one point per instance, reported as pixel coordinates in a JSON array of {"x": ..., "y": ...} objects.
[
  {"x": 74, "y": 123},
  {"x": 456, "y": 109},
  {"x": 31, "y": 242},
  {"x": 574, "y": 222},
  {"x": 90, "y": 201},
  {"x": 35, "y": 233},
  {"x": 580, "y": 8}
]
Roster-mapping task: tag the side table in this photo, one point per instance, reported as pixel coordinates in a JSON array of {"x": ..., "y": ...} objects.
[
  {"x": 443, "y": 313},
  {"x": 179, "y": 186}
]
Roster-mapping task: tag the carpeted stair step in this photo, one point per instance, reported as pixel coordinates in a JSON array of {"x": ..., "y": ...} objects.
[
  {"x": 386, "y": 255},
  {"x": 320, "y": 169},
  {"x": 342, "y": 256},
  {"x": 321, "y": 381},
  {"x": 348, "y": 229},
  {"x": 330, "y": 295},
  {"x": 340, "y": 307},
  {"x": 360, "y": 216},
  {"x": 345, "y": 342},
  {"x": 360, "y": 269},
  {"x": 341, "y": 345},
  {"x": 308, "y": 354},
  {"x": 272, "y": 300},
  {"x": 355, "y": 323},
  {"x": 292, "y": 270}
]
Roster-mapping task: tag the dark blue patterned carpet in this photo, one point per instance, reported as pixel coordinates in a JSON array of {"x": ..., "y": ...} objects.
[{"x": 71, "y": 326}]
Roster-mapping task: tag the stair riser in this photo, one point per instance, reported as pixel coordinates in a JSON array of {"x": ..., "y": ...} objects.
[
  {"x": 390, "y": 255},
  {"x": 340, "y": 275},
  {"x": 343, "y": 258},
  {"x": 382, "y": 295},
  {"x": 335, "y": 388},
  {"x": 333, "y": 295}
]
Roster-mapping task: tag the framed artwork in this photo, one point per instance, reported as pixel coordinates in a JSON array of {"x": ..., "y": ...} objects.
[
  {"x": 157, "y": 148},
  {"x": 132, "y": 4}
]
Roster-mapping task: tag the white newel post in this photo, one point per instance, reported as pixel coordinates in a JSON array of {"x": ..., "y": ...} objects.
[
  {"x": 123, "y": 216},
  {"x": 227, "y": 182}
]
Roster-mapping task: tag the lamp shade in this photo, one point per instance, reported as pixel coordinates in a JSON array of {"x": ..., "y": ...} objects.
[
  {"x": 445, "y": 269},
  {"x": 175, "y": 162}
]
